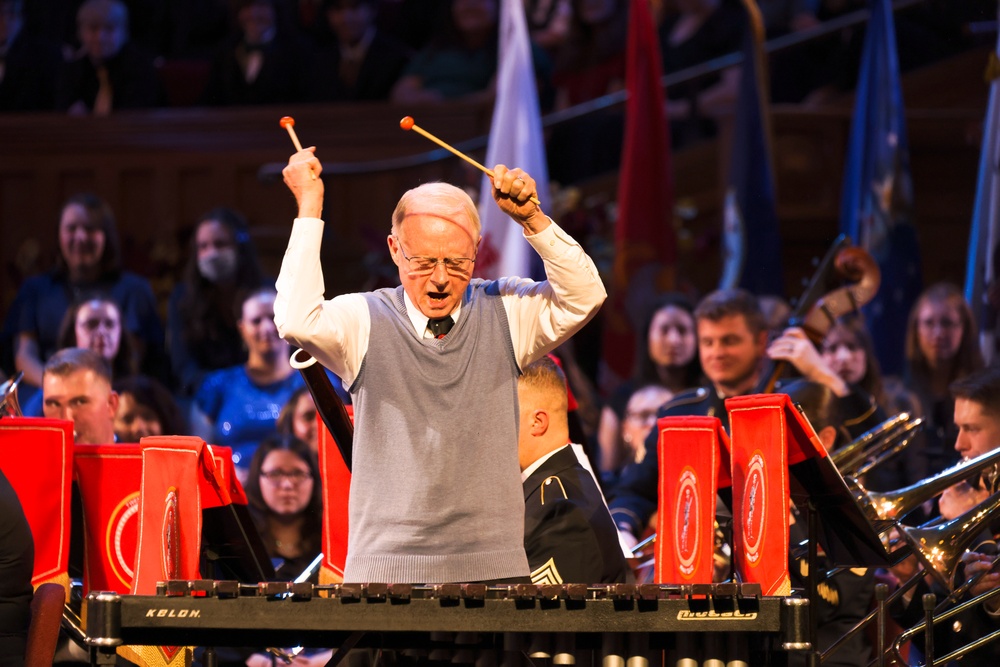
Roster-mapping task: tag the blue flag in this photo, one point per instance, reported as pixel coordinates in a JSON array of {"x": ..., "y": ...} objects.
[
  {"x": 752, "y": 244},
  {"x": 877, "y": 201},
  {"x": 983, "y": 267}
]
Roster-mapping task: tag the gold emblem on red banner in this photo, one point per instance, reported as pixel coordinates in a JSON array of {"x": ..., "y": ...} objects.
[
  {"x": 754, "y": 493},
  {"x": 171, "y": 536},
  {"x": 121, "y": 536},
  {"x": 687, "y": 519}
]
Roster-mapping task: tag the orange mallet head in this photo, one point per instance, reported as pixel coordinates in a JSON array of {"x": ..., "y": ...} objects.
[
  {"x": 406, "y": 123},
  {"x": 288, "y": 123}
]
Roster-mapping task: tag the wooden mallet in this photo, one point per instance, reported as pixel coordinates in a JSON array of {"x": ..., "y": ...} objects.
[
  {"x": 288, "y": 123},
  {"x": 408, "y": 124}
]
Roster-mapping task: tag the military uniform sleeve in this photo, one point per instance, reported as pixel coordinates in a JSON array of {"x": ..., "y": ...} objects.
[{"x": 565, "y": 549}]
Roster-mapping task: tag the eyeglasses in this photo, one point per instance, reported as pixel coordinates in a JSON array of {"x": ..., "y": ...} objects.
[
  {"x": 641, "y": 416},
  {"x": 460, "y": 267},
  {"x": 296, "y": 477}
]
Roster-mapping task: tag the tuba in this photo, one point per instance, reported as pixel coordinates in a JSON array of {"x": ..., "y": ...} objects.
[{"x": 9, "y": 406}]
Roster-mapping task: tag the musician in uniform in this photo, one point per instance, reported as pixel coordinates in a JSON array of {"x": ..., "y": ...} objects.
[
  {"x": 844, "y": 597},
  {"x": 76, "y": 386},
  {"x": 732, "y": 344},
  {"x": 432, "y": 368},
  {"x": 977, "y": 419},
  {"x": 569, "y": 536}
]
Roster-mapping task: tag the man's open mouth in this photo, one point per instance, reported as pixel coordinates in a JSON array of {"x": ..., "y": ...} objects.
[{"x": 437, "y": 296}]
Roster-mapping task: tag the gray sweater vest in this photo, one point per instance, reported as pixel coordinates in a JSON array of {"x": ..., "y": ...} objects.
[{"x": 436, "y": 487}]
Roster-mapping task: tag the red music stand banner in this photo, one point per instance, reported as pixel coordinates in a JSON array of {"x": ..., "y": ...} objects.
[
  {"x": 759, "y": 440},
  {"x": 36, "y": 455},
  {"x": 693, "y": 454},
  {"x": 336, "y": 493},
  {"x": 108, "y": 479},
  {"x": 170, "y": 501}
]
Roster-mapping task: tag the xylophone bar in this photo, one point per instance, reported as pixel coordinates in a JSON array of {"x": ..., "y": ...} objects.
[{"x": 210, "y": 613}]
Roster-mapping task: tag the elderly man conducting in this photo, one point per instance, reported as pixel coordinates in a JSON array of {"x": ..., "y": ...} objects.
[{"x": 432, "y": 368}]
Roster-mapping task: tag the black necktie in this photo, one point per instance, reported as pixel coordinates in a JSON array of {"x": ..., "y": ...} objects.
[{"x": 440, "y": 326}]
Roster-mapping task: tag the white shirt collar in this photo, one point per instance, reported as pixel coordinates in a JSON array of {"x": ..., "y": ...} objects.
[
  {"x": 419, "y": 320},
  {"x": 527, "y": 472}
]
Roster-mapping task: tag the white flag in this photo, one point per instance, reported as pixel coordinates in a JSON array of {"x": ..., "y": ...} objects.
[{"x": 515, "y": 141}]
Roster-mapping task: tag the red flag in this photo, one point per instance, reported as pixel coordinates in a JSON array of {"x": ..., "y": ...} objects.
[
  {"x": 36, "y": 455},
  {"x": 336, "y": 492},
  {"x": 645, "y": 242},
  {"x": 694, "y": 460}
]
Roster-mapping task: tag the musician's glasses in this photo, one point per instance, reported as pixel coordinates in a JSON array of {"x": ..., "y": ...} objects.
[
  {"x": 296, "y": 477},
  {"x": 460, "y": 267}
]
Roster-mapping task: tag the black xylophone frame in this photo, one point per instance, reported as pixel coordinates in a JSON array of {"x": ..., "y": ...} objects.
[{"x": 606, "y": 624}]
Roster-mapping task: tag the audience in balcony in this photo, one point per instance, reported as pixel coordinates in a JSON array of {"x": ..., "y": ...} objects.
[
  {"x": 28, "y": 63},
  {"x": 260, "y": 64},
  {"x": 359, "y": 61},
  {"x": 696, "y": 32},
  {"x": 110, "y": 72}
]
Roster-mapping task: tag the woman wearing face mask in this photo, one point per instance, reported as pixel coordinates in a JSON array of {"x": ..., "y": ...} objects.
[
  {"x": 242, "y": 403},
  {"x": 89, "y": 264},
  {"x": 201, "y": 328}
]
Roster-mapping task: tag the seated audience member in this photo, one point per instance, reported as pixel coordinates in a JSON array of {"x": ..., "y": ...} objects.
[
  {"x": 640, "y": 418},
  {"x": 591, "y": 61},
  {"x": 569, "y": 536},
  {"x": 202, "y": 335},
  {"x": 666, "y": 355},
  {"x": 941, "y": 347},
  {"x": 300, "y": 419},
  {"x": 145, "y": 407},
  {"x": 243, "y": 402},
  {"x": 76, "y": 387},
  {"x": 96, "y": 324},
  {"x": 89, "y": 264},
  {"x": 698, "y": 31},
  {"x": 460, "y": 62},
  {"x": 17, "y": 559},
  {"x": 361, "y": 63},
  {"x": 28, "y": 64},
  {"x": 548, "y": 22},
  {"x": 111, "y": 72},
  {"x": 283, "y": 490},
  {"x": 260, "y": 64}
]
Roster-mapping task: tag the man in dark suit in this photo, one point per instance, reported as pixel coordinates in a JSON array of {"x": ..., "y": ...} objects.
[
  {"x": 359, "y": 62},
  {"x": 569, "y": 536}
]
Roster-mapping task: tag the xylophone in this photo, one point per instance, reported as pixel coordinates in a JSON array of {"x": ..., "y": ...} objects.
[{"x": 606, "y": 623}]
